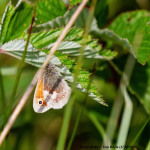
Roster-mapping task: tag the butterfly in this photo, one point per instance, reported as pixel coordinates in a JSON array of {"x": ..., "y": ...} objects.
[{"x": 52, "y": 91}]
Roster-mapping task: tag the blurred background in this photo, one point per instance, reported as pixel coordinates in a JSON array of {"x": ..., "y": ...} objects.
[{"x": 40, "y": 131}]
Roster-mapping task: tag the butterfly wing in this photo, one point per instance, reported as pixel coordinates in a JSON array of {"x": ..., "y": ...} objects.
[{"x": 52, "y": 91}]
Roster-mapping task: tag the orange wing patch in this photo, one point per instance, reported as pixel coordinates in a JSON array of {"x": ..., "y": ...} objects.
[{"x": 39, "y": 93}]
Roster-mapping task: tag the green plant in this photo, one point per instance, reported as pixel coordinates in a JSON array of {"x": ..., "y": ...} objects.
[{"x": 121, "y": 50}]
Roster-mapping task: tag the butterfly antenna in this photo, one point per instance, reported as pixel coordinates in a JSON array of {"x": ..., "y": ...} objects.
[{"x": 36, "y": 55}]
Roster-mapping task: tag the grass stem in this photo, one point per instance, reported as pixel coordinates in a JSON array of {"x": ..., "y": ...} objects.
[
  {"x": 81, "y": 109},
  {"x": 68, "y": 110},
  {"x": 19, "y": 73},
  {"x": 138, "y": 134},
  {"x": 2, "y": 91}
]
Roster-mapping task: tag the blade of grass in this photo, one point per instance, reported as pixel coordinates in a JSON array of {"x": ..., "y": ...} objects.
[
  {"x": 113, "y": 119},
  {"x": 8, "y": 142},
  {"x": 52, "y": 147},
  {"x": 68, "y": 110},
  {"x": 82, "y": 109},
  {"x": 97, "y": 124},
  {"x": 2, "y": 97},
  {"x": 138, "y": 134},
  {"x": 91, "y": 115},
  {"x": 127, "y": 113},
  {"x": 126, "y": 118},
  {"x": 116, "y": 110},
  {"x": 39, "y": 72},
  {"x": 19, "y": 73},
  {"x": 148, "y": 146},
  {"x": 101, "y": 117}
]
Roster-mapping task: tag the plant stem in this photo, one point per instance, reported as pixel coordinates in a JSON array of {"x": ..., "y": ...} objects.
[
  {"x": 6, "y": 115},
  {"x": 3, "y": 98},
  {"x": 138, "y": 134},
  {"x": 127, "y": 113},
  {"x": 82, "y": 109},
  {"x": 113, "y": 119},
  {"x": 68, "y": 110},
  {"x": 126, "y": 118},
  {"x": 19, "y": 72},
  {"x": 97, "y": 124},
  {"x": 92, "y": 116},
  {"x": 116, "y": 110},
  {"x": 122, "y": 94},
  {"x": 148, "y": 146}
]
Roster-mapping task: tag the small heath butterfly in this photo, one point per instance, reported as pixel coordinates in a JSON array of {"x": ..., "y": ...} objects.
[{"x": 52, "y": 91}]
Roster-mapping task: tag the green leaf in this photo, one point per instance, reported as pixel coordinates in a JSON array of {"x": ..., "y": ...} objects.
[
  {"x": 63, "y": 20},
  {"x": 36, "y": 58},
  {"x": 108, "y": 35},
  {"x": 48, "y": 10},
  {"x": 73, "y": 48},
  {"x": 16, "y": 21},
  {"x": 43, "y": 38},
  {"x": 83, "y": 78},
  {"x": 33, "y": 56},
  {"x": 75, "y": 34},
  {"x": 46, "y": 40},
  {"x": 9, "y": 11},
  {"x": 74, "y": 2},
  {"x": 128, "y": 25}
]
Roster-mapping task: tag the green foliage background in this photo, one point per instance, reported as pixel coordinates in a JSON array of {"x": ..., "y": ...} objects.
[{"x": 113, "y": 36}]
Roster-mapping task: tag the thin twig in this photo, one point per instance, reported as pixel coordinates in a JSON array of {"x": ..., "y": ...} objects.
[{"x": 39, "y": 72}]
